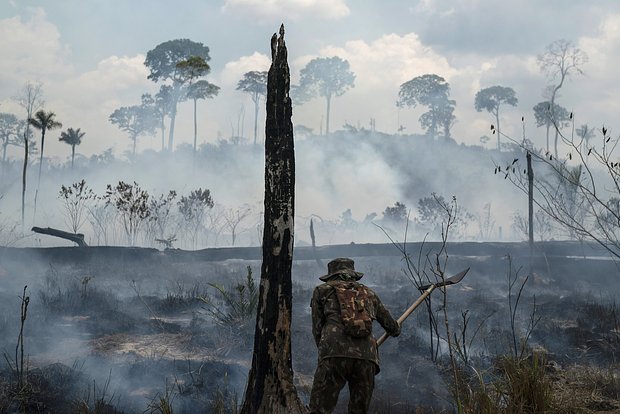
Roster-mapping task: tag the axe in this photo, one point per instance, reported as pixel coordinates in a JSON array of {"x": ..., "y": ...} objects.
[{"x": 427, "y": 291}]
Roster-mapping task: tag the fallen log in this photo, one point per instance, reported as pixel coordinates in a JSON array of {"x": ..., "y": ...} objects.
[{"x": 77, "y": 238}]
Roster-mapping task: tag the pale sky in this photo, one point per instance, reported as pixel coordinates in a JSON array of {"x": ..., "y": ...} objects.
[{"x": 89, "y": 56}]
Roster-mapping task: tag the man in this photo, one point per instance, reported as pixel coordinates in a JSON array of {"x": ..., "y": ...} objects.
[{"x": 347, "y": 349}]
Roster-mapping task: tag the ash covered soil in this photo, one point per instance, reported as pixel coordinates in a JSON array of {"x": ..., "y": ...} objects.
[{"x": 132, "y": 335}]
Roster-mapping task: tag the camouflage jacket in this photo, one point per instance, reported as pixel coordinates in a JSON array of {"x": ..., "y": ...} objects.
[{"x": 328, "y": 330}]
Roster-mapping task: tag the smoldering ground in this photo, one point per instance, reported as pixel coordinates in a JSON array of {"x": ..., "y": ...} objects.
[
  {"x": 127, "y": 327},
  {"x": 130, "y": 333},
  {"x": 362, "y": 172}
]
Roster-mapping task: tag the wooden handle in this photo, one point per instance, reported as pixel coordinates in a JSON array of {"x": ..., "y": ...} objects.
[{"x": 408, "y": 312}]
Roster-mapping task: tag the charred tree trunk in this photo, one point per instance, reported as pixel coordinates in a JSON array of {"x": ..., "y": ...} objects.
[
  {"x": 77, "y": 238},
  {"x": 314, "y": 252},
  {"x": 24, "y": 170},
  {"x": 270, "y": 386},
  {"x": 530, "y": 204}
]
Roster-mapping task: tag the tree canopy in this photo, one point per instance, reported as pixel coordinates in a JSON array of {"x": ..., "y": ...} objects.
[
  {"x": 560, "y": 60},
  {"x": 136, "y": 120},
  {"x": 9, "y": 132},
  {"x": 491, "y": 98},
  {"x": 163, "y": 60},
  {"x": 548, "y": 114},
  {"x": 72, "y": 137},
  {"x": 43, "y": 121},
  {"x": 432, "y": 91},
  {"x": 324, "y": 77},
  {"x": 180, "y": 61},
  {"x": 254, "y": 83}
]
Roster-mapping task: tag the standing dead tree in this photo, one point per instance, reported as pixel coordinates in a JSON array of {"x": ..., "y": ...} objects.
[{"x": 270, "y": 386}]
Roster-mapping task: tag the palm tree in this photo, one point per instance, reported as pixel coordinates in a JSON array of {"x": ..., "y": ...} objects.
[
  {"x": 43, "y": 121},
  {"x": 72, "y": 137}
]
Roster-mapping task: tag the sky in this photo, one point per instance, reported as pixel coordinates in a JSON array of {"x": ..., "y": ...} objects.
[{"x": 89, "y": 57}]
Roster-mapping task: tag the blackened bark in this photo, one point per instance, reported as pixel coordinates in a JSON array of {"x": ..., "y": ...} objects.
[
  {"x": 530, "y": 204},
  {"x": 270, "y": 386},
  {"x": 77, "y": 238},
  {"x": 24, "y": 170}
]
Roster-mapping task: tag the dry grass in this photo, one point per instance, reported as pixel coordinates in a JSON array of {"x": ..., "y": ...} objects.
[{"x": 586, "y": 389}]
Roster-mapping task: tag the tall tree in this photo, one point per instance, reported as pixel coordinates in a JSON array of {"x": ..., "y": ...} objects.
[
  {"x": 547, "y": 114},
  {"x": 325, "y": 77},
  {"x": 585, "y": 133},
  {"x": 9, "y": 132},
  {"x": 136, "y": 120},
  {"x": 270, "y": 386},
  {"x": 72, "y": 137},
  {"x": 560, "y": 60},
  {"x": 200, "y": 90},
  {"x": 31, "y": 99},
  {"x": 163, "y": 60},
  {"x": 43, "y": 121},
  {"x": 255, "y": 84},
  {"x": 163, "y": 108},
  {"x": 432, "y": 91},
  {"x": 192, "y": 69},
  {"x": 490, "y": 99}
]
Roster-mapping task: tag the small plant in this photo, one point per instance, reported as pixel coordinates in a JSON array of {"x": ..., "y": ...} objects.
[
  {"x": 19, "y": 348},
  {"x": 162, "y": 403},
  {"x": 224, "y": 401},
  {"x": 160, "y": 217},
  {"x": 524, "y": 386},
  {"x": 132, "y": 203},
  {"x": 193, "y": 209},
  {"x": 519, "y": 339},
  {"x": 99, "y": 402},
  {"x": 76, "y": 199},
  {"x": 235, "y": 307}
]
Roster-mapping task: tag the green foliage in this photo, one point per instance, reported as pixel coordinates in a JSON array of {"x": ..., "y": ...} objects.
[
  {"x": 180, "y": 61},
  {"x": 193, "y": 67},
  {"x": 224, "y": 400},
  {"x": 236, "y": 305},
  {"x": 163, "y": 60}
]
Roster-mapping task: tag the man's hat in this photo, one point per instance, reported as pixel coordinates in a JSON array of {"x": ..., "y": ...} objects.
[{"x": 344, "y": 266}]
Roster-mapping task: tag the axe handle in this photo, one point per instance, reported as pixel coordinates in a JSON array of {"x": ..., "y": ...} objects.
[{"x": 408, "y": 312}]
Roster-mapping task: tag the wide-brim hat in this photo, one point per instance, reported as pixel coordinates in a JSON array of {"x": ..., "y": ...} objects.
[{"x": 339, "y": 266}]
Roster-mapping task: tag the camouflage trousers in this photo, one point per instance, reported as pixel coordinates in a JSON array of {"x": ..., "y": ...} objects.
[{"x": 330, "y": 377}]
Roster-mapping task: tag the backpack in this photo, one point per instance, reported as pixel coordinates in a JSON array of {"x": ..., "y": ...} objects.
[{"x": 353, "y": 299}]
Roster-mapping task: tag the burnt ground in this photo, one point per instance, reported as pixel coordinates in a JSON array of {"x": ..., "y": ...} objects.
[{"x": 125, "y": 331}]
